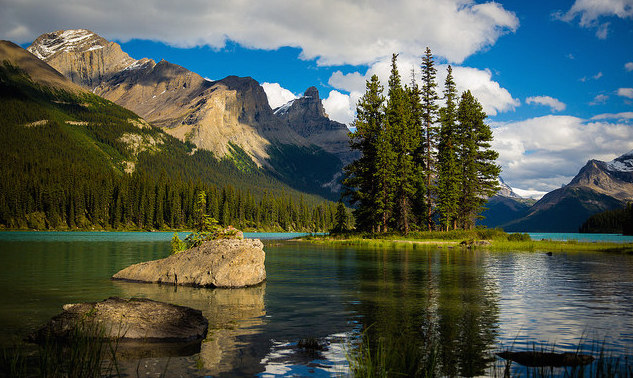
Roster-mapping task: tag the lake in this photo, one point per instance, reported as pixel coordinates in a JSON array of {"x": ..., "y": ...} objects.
[{"x": 472, "y": 303}]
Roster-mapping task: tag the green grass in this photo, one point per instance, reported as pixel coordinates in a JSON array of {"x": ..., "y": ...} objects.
[{"x": 500, "y": 241}]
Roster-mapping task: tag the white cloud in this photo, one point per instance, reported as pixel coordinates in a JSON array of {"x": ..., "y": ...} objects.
[
  {"x": 492, "y": 96},
  {"x": 277, "y": 95},
  {"x": 546, "y": 152},
  {"x": 623, "y": 115},
  {"x": 553, "y": 103},
  {"x": 628, "y": 66},
  {"x": 339, "y": 107},
  {"x": 529, "y": 193},
  {"x": 592, "y": 11},
  {"x": 332, "y": 31},
  {"x": 625, "y": 92},
  {"x": 599, "y": 99},
  {"x": 597, "y": 76}
]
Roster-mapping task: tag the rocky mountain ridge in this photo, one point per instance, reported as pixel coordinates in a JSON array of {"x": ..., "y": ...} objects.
[
  {"x": 307, "y": 117},
  {"x": 219, "y": 116}
]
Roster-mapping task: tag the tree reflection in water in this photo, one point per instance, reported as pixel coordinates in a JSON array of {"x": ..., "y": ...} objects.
[{"x": 429, "y": 309}]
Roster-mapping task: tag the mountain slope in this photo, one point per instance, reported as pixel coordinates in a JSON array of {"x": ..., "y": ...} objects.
[
  {"x": 72, "y": 159},
  {"x": 41, "y": 72},
  {"x": 597, "y": 187},
  {"x": 215, "y": 116}
]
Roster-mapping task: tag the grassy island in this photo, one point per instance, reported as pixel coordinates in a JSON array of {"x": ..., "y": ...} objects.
[{"x": 489, "y": 239}]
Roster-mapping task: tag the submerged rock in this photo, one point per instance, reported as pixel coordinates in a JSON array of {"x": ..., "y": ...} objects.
[
  {"x": 538, "y": 359},
  {"x": 216, "y": 263},
  {"x": 136, "y": 319}
]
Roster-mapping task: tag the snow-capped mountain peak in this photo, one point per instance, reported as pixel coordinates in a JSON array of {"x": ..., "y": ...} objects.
[
  {"x": 66, "y": 40},
  {"x": 623, "y": 163}
]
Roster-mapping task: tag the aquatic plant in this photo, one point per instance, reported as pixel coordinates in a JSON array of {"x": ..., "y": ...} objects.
[{"x": 85, "y": 352}]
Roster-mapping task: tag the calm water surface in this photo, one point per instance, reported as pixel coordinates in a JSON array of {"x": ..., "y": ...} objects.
[{"x": 474, "y": 303}]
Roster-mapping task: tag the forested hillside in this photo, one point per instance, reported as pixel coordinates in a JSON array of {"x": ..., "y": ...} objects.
[
  {"x": 617, "y": 221},
  {"x": 72, "y": 160}
]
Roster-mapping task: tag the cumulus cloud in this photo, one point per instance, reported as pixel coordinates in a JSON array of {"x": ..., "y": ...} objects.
[
  {"x": 591, "y": 12},
  {"x": 339, "y": 107},
  {"x": 553, "y": 103},
  {"x": 625, "y": 92},
  {"x": 454, "y": 29},
  {"x": 628, "y": 66},
  {"x": 546, "y": 152},
  {"x": 277, "y": 95}
]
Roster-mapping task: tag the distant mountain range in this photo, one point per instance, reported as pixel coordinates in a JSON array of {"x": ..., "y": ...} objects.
[
  {"x": 597, "y": 187},
  {"x": 297, "y": 142}
]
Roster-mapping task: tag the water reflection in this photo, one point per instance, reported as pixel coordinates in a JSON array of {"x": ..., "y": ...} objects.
[
  {"x": 233, "y": 315},
  {"x": 464, "y": 304},
  {"x": 431, "y": 300}
]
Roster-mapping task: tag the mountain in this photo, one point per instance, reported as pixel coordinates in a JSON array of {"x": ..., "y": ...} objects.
[
  {"x": 307, "y": 117},
  {"x": 229, "y": 117},
  {"x": 597, "y": 187},
  {"x": 73, "y": 160},
  {"x": 503, "y": 207}
]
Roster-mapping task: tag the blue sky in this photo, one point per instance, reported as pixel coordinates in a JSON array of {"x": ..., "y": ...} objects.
[{"x": 555, "y": 77}]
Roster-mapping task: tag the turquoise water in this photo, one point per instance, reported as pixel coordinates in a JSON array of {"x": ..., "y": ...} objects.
[
  {"x": 615, "y": 238},
  {"x": 473, "y": 303},
  {"x": 51, "y": 236}
]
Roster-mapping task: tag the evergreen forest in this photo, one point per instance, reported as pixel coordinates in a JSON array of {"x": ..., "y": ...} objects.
[
  {"x": 77, "y": 161},
  {"x": 616, "y": 221},
  {"x": 423, "y": 166}
]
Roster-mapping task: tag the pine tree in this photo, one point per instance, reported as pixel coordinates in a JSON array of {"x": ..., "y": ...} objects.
[
  {"x": 427, "y": 152},
  {"x": 476, "y": 159},
  {"x": 361, "y": 183},
  {"x": 340, "y": 218},
  {"x": 404, "y": 143},
  {"x": 384, "y": 175},
  {"x": 448, "y": 173}
]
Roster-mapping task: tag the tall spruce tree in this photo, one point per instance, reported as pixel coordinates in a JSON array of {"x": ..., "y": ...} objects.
[
  {"x": 448, "y": 173},
  {"x": 427, "y": 152},
  {"x": 476, "y": 159},
  {"x": 384, "y": 176},
  {"x": 361, "y": 182},
  {"x": 404, "y": 143}
]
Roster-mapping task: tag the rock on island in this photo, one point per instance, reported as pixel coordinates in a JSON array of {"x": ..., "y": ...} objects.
[{"x": 216, "y": 263}]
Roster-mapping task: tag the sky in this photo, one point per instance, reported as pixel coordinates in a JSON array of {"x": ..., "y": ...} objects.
[{"x": 555, "y": 77}]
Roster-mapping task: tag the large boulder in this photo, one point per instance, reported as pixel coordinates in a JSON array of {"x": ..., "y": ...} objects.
[
  {"x": 136, "y": 319},
  {"x": 216, "y": 263}
]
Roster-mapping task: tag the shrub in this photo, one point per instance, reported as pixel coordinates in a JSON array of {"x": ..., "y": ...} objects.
[{"x": 519, "y": 237}]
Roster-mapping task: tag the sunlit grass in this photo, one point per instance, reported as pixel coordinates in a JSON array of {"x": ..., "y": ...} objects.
[{"x": 499, "y": 241}]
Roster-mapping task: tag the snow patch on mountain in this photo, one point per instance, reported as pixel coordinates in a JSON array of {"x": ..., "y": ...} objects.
[
  {"x": 283, "y": 109},
  {"x": 65, "y": 40},
  {"x": 623, "y": 163}
]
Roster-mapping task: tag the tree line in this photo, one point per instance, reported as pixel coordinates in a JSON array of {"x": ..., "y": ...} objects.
[
  {"x": 423, "y": 166},
  {"x": 110, "y": 201},
  {"x": 615, "y": 221}
]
